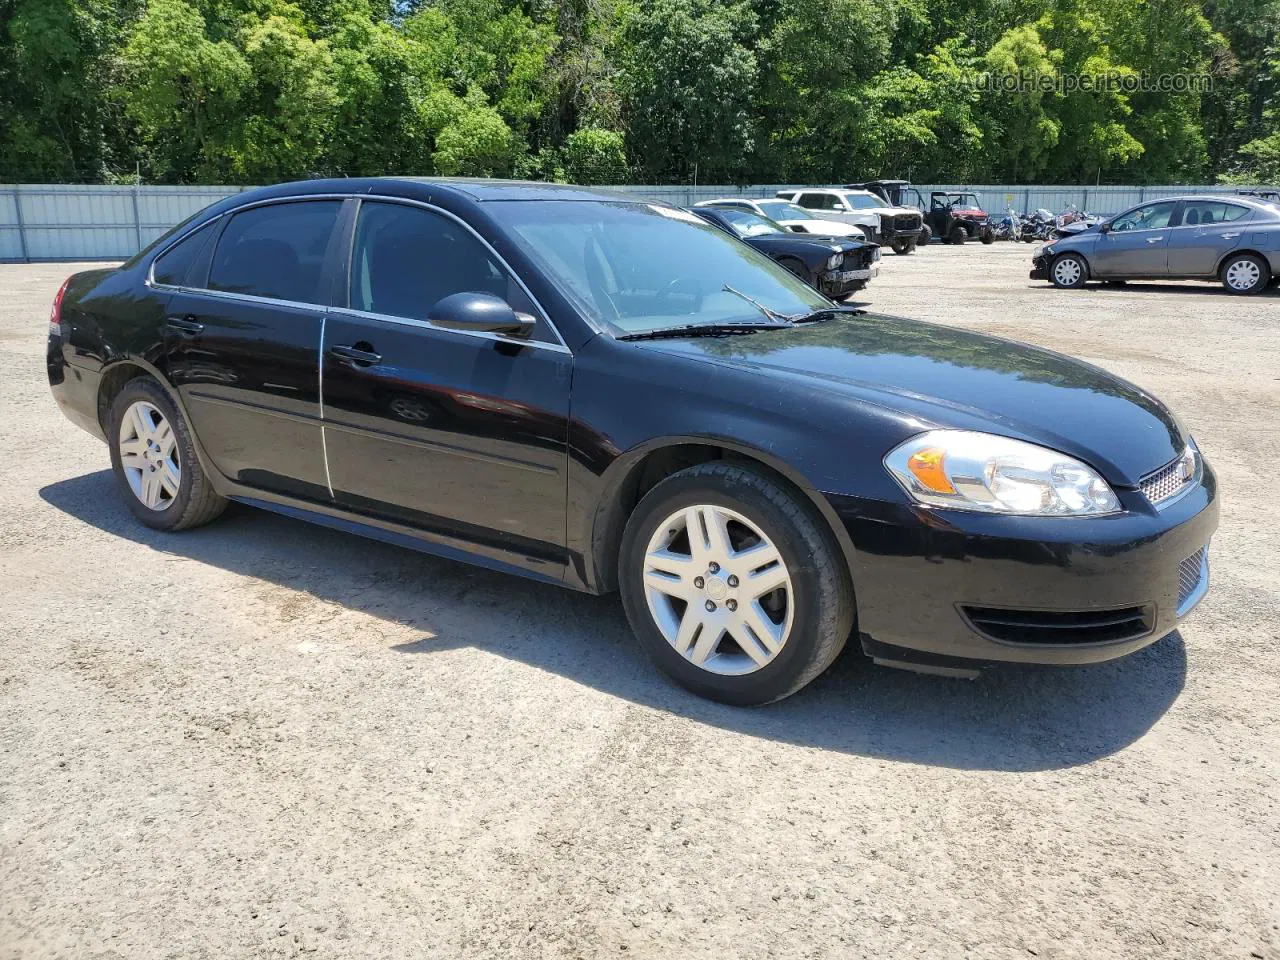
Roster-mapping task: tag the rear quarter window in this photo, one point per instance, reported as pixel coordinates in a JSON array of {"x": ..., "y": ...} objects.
[{"x": 173, "y": 267}]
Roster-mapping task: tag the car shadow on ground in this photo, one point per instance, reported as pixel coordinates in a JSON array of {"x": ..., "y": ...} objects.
[
  {"x": 1017, "y": 719},
  {"x": 1183, "y": 287}
]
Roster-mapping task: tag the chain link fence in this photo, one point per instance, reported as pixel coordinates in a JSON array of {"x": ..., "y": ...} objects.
[{"x": 75, "y": 222}]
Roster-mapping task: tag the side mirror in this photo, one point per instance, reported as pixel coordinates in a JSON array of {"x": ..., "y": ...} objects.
[
  {"x": 1104, "y": 228},
  {"x": 480, "y": 313},
  {"x": 840, "y": 208}
]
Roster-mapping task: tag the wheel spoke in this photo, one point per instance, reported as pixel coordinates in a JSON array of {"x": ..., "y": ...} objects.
[
  {"x": 708, "y": 640},
  {"x": 134, "y": 461},
  {"x": 768, "y": 632},
  {"x": 749, "y": 645},
  {"x": 164, "y": 438},
  {"x": 688, "y": 631},
  {"x": 169, "y": 477},
  {"x": 751, "y": 559},
  {"x": 764, "y": 581},
  {"x": 717, "y": 527},
  {"x": 142, "y": 426},
  {"x": 151, "y": 490},
  {"x": 133, "y": 447}
]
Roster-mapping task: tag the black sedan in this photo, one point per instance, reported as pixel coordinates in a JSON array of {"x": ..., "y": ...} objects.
[
  {"x": 610, "y": 394},
  {"x": 834, "y": 266}
]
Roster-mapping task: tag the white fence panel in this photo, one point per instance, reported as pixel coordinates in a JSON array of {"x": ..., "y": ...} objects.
[{"x": 78, "y": 222}]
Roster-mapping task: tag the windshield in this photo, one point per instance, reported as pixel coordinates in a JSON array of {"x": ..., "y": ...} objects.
[
  {"x": 639, "y": 267},
  {"x": 746, "y": 224},
  {"x": 863, "y": 201},
  {"x": 782, "y": 210}
]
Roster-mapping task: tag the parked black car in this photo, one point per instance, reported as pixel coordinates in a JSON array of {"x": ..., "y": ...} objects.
[
  {"x": 612, "y": 394},
  {"x": 835, "y": 266}
]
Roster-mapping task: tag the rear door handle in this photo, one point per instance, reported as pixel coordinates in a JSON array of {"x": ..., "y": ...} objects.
[
  {"x": 1230, "y": 236},
  {"x": 187, "y": 325},
  {"x": 355, "y": 355},
  {"x": 1154, "y": 239}
]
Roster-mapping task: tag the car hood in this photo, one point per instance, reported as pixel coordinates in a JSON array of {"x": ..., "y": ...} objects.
[
  {"x": 942, "y": 376},
  {"x": 783, "y": 242}
]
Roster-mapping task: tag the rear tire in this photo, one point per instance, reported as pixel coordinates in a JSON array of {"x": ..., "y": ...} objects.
[
  {"x": 988, "y": 236},
  {"x": 926, "y": 234},
  {"x": 695, "y": 642},
  {"x": 1244, "y": 274},
  {"x": 153, "y": 457}
]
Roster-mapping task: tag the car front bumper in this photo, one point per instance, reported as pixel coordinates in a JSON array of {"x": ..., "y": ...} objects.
[
  {"x": 922, "y": 577},
  {"x": 837, "y": 283},
  {"x": 1040, "y": 267}
]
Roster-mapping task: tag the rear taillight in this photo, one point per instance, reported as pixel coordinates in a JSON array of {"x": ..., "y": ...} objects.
[{"x": 55, "y": 318}]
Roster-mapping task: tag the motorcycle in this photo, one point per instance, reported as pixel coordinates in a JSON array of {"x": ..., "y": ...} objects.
[
  {"x": 1072, "y": 221},
  {"x": 1038, "y": 226},
  {"x": 1008, "y": 227}
]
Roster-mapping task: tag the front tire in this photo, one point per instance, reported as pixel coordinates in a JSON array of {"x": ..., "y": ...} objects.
[
  {"x": 154, "y": 460},
  {"x": 1069, "y": 271},
  {"x": 958, "y": 235},
  {"x": 926, "y": 234},
  {"x": 988, "y": 236},
  {"x": 733, "y": 585},
  {"x": 1245, "y": 274},
  {"x": 904, "y": 248}
]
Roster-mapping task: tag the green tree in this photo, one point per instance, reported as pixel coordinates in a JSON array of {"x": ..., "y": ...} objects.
[
  {"x": 688, "y": 79},
  {"x": 1021, "y": 128}
]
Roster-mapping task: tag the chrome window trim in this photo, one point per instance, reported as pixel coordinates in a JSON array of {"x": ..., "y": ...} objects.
[
  {"x": 427, "y": 325},
  {"x": 560, "y": 346}
]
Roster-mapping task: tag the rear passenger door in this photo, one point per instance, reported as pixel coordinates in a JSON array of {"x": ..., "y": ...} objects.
[
  {"x": 242, "y": 344},
  {"x": 460, "y": 434},
  {"x": 1208, "y": 231}
]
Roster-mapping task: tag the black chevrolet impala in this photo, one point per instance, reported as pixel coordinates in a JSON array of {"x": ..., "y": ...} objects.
[{"x": 610, "y": 394}]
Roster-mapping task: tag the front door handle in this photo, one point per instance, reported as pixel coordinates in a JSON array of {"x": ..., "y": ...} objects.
[
  {"x": 1154, "y": 239},
  {"x": 188, "y": 325},
  {"x": 1230, "y": 236},
  {"x": 356, "y": 355}
]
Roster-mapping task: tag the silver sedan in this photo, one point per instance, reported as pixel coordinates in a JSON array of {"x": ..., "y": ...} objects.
[{"x": 1232, "y": 239}]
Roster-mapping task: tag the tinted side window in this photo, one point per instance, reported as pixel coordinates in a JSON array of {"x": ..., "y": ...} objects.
[
  {"x": 1199, "y": 212},
  {"x": 173, "y": 267},
  {"x": 1153, "y": 216},
  {"x": 817, "y": 201},
  {"x": 275, "y": 251},
  {"x": 406, "y": 259}
]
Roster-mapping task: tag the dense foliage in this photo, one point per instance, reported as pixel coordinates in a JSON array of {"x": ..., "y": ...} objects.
[{"x": 598, "y": 91}]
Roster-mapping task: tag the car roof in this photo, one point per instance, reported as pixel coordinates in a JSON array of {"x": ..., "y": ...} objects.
[
  {"x": 711, "y": 203},
  {"x": 473, "y": 188}
]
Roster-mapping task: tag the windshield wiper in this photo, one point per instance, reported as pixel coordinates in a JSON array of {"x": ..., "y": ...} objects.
[
  {"x": 704, "y": 330},
  {"x": 825, "y": 313},
  {"x": 771, "y": 314}
]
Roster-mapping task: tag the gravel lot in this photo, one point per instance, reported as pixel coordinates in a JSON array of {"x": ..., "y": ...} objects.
[{"x": 263, "y": 738}]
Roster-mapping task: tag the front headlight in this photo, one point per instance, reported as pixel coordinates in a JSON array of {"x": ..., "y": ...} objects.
[
  {"x": 833, "y": 261},
  {"x": 964, "y": 470}
]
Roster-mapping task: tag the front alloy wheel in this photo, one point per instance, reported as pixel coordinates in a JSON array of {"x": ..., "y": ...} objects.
[
  {"x": 718, "y": 590},
  {"x": 733, "y": 583}
]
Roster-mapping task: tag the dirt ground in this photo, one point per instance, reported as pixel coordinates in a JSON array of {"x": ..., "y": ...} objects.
[{"x": 267, "y": 739}]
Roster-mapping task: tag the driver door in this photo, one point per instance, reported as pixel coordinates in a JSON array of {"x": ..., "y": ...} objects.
[
  {"x": 461, "y": 434},
  {"x": 1137, "y": 243}
]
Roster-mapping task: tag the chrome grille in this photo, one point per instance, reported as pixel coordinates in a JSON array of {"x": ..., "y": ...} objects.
[
  {"x": 1168, "y": 480},
  {"x": 1192, "y": 573}
]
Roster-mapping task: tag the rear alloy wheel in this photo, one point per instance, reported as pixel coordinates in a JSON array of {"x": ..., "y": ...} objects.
[
  {"x": 154, "y": 460},
  {"x": 732, "y": 585},
  {"x": 1245, "y": 274},
  {"x": 957, "y": 235},
  {"x": 1069, "y": 271}
]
